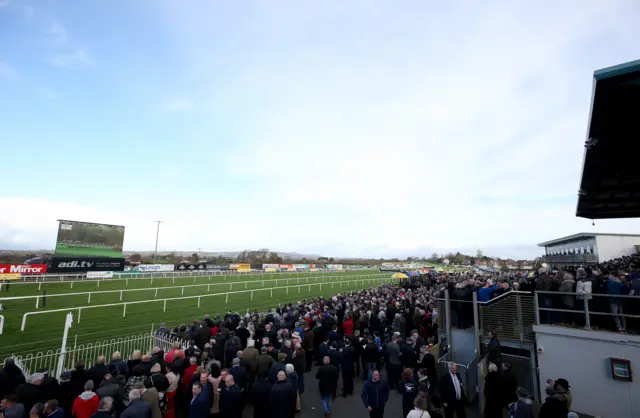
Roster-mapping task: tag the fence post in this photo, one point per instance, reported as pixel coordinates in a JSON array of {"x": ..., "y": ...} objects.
[
  {"x": 587, "y": 319},
  {"x": 37, "y": 301},
  {"x": 79, "y": 314},
  {"x": 448, "y": 322},
  {"x": 124, "y": 310},
  {"x": 164, "y": 308},
  {"x": 252, "y": 295},
  {"x": 537, "y": 307},
  {"x": 182, "y": 290},
  {"x": 226, "y": 300},
  {"x": 89, "y": 299},
  {"x": 198, "y": 301}
]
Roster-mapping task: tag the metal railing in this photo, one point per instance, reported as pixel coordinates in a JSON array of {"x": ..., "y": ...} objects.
[
  {"x": 89, "y": 352},
  {"x": 587, "y": 310},
  {"x": 326, "y": 279},
  {"x": 571, "y": 258},
  {"x": 226, "y": 294}
]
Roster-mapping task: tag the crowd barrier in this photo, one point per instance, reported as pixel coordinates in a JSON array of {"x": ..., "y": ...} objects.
[
  {"x": 89, "y": 352},
  {"x": 156, "y": 289},
  {"x": 199, "y": 298}
]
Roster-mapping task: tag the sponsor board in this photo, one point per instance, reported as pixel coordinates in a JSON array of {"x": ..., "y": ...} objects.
[
  {"x": 300, "y": 266},
  {"x": 216, "y": 267},
  {"x": 99, "y": 274},
  {"x": 240, "y": 267},
  {"x": 313, "y": 269},
  {"x": 334, "y": 266},
  {"x": 285, "y": 266},
  {"x": 190, "y": 267},
  {"x": 270, "y": 269},
  {"x": 23, "y": 268},
  {"x": 10, "y": 276},
  {"x": 156, "y": 267},
  {"x": 270, "y": 266},
  {"x": 85, "y": 264}
]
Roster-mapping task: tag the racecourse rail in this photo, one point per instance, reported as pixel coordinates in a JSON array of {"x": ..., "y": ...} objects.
[
  {"x": 231, "y": 284},
  {"x": 82, "y": 278},
  {"x": 124, "y": 304}
]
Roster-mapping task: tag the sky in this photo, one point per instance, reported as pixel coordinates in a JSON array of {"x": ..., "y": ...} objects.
[{"x": 355, "y": 129}]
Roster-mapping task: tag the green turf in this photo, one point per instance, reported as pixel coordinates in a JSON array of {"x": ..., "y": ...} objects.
[
  {"x": 86, "y": 250},
  {"x": 44, "y": 331}
]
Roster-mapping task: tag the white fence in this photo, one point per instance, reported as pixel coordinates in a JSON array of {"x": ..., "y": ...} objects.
[
  {"x": 89, "y": 352},
  {"x": 156, "y": 289},
  {"x": 124, "y": 305}
]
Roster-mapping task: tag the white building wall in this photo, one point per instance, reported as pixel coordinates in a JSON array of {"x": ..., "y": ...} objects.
[
  {"x": 611, "y": 246},
  {"x": 583, "y": 358}
]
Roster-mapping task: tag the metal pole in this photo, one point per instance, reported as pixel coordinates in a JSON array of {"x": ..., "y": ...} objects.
[{"x": 155, "y": 254}]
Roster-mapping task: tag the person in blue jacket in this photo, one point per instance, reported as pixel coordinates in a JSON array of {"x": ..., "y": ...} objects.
[
  {"x": 375, "y": 394},
  {"x": 485, "y": 293}
]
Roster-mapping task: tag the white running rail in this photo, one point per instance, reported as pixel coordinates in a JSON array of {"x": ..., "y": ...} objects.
[
  {"x": 164, "y": 309},
  {"x": 156, "y": 289}
]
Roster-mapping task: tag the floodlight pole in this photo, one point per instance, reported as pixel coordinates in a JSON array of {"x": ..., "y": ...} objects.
[{"x": 155, "y": 254}]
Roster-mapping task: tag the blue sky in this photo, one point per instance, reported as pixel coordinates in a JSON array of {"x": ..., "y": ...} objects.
[{"x": 362, "y": 128}]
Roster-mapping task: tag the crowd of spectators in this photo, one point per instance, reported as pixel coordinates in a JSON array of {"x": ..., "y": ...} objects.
[{"x": 266, "y": 359}]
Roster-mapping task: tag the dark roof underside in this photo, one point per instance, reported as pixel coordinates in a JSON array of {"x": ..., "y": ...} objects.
[{"x": 610, "y": 185}]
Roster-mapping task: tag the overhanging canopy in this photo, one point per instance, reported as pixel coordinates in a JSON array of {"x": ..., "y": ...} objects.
[{"x": 610, "y": 184}]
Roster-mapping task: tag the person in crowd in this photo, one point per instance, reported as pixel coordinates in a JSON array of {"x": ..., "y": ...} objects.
[
  {"x": 523, "y": 406},
  {"x": 231, "y": 399},
  {"x": 250, "y": 355},
  {"x": 86, "y": 404},
  {"x": 452, "y": 393},
  {"x": 137, "y": 408},
  {"x": 278, "y": 367},
  {"x": 111, "y": 386},
  {"x": 37, "y": 411},
  {"x": 98, "y": 371},
  {"x": 151, "y": 396},
  {"x": 292, "y": 377},
  {"x": 53, "y": 409},
  {"x": 282, "y": 400},
  {"x": 375, "y": 394},
  {"x": 327, "y": 376},
  {"x": 493, "y": 392},
  {"x": 173, "y": 377},
  {"x": 408, "y": 388},
  {"x": 348, "y": 361},
  {"x": 510, "y": 384},
  {"x": 11, "y": 408},
  {"x": 123, "y": 368},
  {"x": 563, "y": 392},
  {"x": 10, "y": 377},
  {"x": 32, "y": 392},
  {"x": 419, "y": 408},
  {"x": 568, "y": 299},
  {"x": 427, "y": 362},
  {"x": 239, "y": 374},
  {"x": 552, "y": 407},
  {"x": 105, "y": 408},
  {"x": 260, "y": 396},
  {"x": 616, "y": 287},
  {"x": 199, "y": 405},
  {"x": 493, "y": 348},
  {"x": 264, "y": 362},
  {"x": 435, "y": 407},
  {"x": 393, "y": 356}
]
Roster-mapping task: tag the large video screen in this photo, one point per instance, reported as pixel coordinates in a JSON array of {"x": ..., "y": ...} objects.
[{"x": 89, "y": 239}]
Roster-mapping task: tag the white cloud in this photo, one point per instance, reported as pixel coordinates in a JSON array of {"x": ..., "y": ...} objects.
[
  {"x": 7, "y": 71},
  {"x": 177, "y": 105},
  {"x": 58, "y": 33},
  {"x": 76, "y": 60}
]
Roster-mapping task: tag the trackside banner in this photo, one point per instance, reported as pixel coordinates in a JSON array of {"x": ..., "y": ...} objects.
[
  {"x": 85, "y": 264},
  {"x": 99, "y": 274},
  {"x": 23, "y": 268},
  {"x": 156, "y": 267}
]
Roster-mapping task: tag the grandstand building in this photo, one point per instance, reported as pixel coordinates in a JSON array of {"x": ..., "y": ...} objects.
[{"x": 588, "y": 248}]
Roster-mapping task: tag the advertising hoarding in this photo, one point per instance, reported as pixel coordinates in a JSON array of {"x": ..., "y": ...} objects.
[
  {"x": 10, "y": 276},
  {"x": 300, "y": 266},
  {"x": 99, "y": 274},
  {"x": 155, "y": 267},
  {"x": 270, "y": 269},
  {"x": 216, "y": 267},
  {"x": 23, "y": 269},
  {"x": 86, "y": 239},
  {"x": 190, "y": 267},
  {"x": 85, "y": 264},
  {"x": 270, "y": 266},
  {"x": 285, "y": 266}
]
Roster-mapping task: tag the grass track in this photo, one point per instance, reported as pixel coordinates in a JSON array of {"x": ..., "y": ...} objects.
[{"x": 44, "y": 331}]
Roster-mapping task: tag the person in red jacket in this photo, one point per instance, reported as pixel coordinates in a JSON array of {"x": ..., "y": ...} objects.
[
  {"x": 86, "y": 404},
  {"x": 188, "y": 374},
  {"x": 347, "y": 326}
]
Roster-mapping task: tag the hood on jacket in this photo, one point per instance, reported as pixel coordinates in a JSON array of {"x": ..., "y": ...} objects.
[{"x": 85, "y": 396}]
